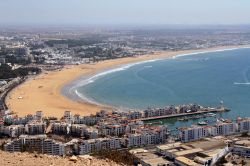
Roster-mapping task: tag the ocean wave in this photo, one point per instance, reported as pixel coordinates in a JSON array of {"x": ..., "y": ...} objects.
[
  {"x": 84, "y": 98},
  {"x": 122, "y": 68},
  {"x": 241, "y": 83}
]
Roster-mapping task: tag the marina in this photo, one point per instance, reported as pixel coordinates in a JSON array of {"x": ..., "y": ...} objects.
[{"x": 199, "y": 114}]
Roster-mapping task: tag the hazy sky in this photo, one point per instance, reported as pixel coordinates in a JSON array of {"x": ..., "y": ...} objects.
[{"x": 124, "y": 12}]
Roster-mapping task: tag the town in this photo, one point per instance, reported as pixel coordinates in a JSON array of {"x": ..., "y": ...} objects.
[{"x": 112, "y": 130}]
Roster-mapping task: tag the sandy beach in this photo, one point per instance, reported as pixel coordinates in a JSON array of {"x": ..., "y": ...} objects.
[{"x": 43, "y": 92}]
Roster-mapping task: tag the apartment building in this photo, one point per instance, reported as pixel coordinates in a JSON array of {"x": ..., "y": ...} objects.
[
  {"x": 146, "y": 136},
  {"x": 94, "y": 145},
  {"x": 35, "y": 127},
  {"x": 194, "y": 133},
  {"x": 223, "y": 128},
  {"x": 52, "y": 147},
  {"x": 14, "y": 130},
  {"x": 243, "y": 124},
  {"x": 37, "y": 143},
  {"x": 13, "y": 146},
  {"x": 61, "y": 128}
]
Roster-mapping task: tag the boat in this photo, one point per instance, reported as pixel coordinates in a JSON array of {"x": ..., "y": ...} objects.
[
  {"x": 202, "y": 123},
  {"x": 183, "y": 119},
  {"x": 158, "y": 122},
  {"x": 210, "y": 114}
]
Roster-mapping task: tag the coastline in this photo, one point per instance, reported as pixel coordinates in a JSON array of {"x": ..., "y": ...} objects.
[{"x": 44, "y": 92}]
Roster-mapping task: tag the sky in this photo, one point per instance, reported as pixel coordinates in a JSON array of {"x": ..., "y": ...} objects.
[{"x": 81, "y": 12}]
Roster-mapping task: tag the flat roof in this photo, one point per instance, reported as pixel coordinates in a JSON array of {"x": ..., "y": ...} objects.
[
  {"x": 186, "y": 161},
  {"x": 169, "y": 146},
  {"x": 189, "y": 151},
  {"x": 138, "y": 150},
  {"x": 156, "y": 161}
]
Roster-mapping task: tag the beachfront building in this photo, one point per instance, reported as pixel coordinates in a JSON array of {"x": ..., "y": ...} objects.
[
  {"x": 68, "y": 116},
  {"x": 39, "y": 115},
  {"x": 87, "y": 120},
  {"x": 193, "y": 133},
  {"x": 15, "y": 120},
  {"x": 134, "y": 115},
  {"x": 159, "y": 111},
  {"x": 35, "y": 127},
  {"x": 95, "y": 145}
]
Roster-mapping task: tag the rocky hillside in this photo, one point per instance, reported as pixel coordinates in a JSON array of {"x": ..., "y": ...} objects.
[{"x": 29, "y": 159}]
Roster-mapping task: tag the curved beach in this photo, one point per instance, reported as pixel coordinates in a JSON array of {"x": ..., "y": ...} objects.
[{"x": 44, "y": 92}]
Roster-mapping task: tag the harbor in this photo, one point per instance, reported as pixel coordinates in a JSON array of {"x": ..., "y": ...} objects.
[{"x": 204, "y": 112}]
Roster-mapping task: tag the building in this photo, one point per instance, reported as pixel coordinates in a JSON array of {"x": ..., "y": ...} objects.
[
  {"x": 194, "y": 133},
  {"x": 61, "y": 128},
  {"x": 147, "y": 158},
  {"x": 35, "y": 143},
  {"x": 35, "y": 127},
  {"x": 52, "y": 147},
  {"x": 241, "y": 148},
  {"x": 68, "y": 116},
  {"x": 95, "y": 145},
  {"x": 223, "y": 128},
  {"x": 14, "y": 130},
  {"x": 39, "y": 115},
  {"x": 13, "y": 146},
  {"x": 243, "y": 124},
  {"x": 146, "y": 136}
]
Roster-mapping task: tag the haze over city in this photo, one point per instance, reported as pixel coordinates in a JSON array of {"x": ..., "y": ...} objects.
[{"x": 158, "y": 12}]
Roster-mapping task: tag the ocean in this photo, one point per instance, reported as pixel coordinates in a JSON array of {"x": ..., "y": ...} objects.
[{"x": 203, "y": 78}]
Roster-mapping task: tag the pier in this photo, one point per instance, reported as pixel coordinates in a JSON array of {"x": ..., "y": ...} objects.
[{"x": 207, "y": 110}]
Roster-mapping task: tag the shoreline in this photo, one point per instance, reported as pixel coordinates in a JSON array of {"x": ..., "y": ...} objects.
[
  {"x": 45, "y": 91},
  {"x": 71, "y": 92}
]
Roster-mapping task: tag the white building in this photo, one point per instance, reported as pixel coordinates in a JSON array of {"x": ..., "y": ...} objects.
[
  {"x": 224, "y": 129},
  {"x": 244, "y": 125},
  {"x": 52, "y": 147},
  {"x": 14, "y": 130},
  {"x": 94, "y": 145},
  {"x": 35, "y": 127},
  {"x": 194, "y": 133},
  {"x": 146, "y": 136}
]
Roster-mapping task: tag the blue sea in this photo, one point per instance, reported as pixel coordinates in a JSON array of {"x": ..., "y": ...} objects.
[{"x": 204, "y": 78}]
